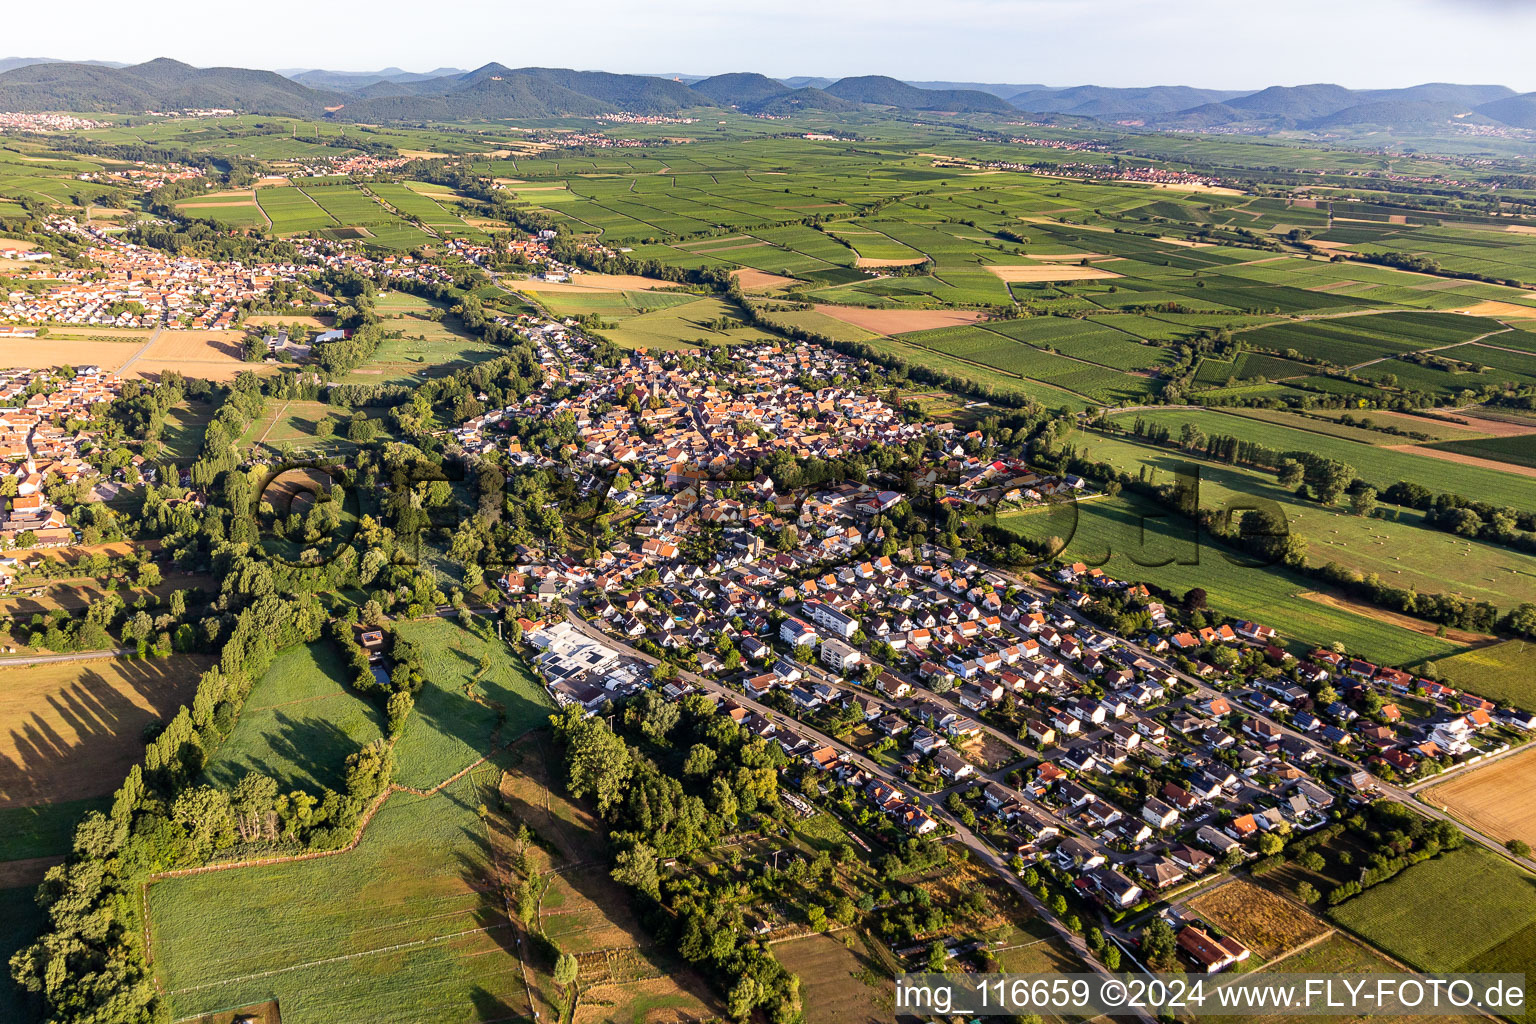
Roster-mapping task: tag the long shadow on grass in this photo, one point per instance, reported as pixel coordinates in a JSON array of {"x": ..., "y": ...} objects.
[
  {"x": 580, "y": 856},
  {"x": 106, "y": 716},
  {"x": 315, "y": 752},
  {"x": 491, "y": 1007}
]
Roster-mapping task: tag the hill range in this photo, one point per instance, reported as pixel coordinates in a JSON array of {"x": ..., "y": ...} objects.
[{"x": 497, "y": 91}]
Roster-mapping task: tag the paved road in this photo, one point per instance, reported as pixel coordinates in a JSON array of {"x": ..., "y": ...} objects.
[{"x": 930, "y": 803}]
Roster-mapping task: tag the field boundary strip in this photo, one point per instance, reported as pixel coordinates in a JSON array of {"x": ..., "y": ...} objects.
[{"x": 357, "y": 837}]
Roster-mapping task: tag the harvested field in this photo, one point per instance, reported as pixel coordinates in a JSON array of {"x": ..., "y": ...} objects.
[
  {"x": 593, "y": 283},
  {"x": 1496, "y": 799},
  {"x": 43, "y": 353},
  {"x": 1486, "y": 425},
  {"x": 314, "y": 323},
  {"x": 197, "y": 346},
  {"x": 16, "y": 245},
  {"x": 1268, "y": 924},
  {"x": 72, "y": 729},
  {"x": 760, "y": 280},
  {"x": 212, "y": 355},
  {"x": 899, "y": 321},
  {"x": 1494, "y": 307},
  {"x": 78, "y": 593},
  {"x": 1465, "y": 460},
  {"x": 1455, "y": 636},
  {"x": 116, "y": 549},
  {"x": 863, "y": 262},
  {"x": 1021, "y": 274},
  {"x": 410, "y": 925}
]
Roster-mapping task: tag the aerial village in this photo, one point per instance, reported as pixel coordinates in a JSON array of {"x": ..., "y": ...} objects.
[
  {"x": 134, "y": 286},
  {"x": 909, "y": 676},
  {"x": 1135, "y": 764}
]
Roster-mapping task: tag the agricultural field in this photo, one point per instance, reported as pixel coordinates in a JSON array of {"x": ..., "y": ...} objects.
[
  {"x": 1377, "y": 465},
  {"x": 1503, "y": 672},
  {"x": 426, "y": 346},
  {"x": 72, "y": 729},
  {"x": 344, "y": 211},
  {"x": 78, "y": 592},
  {"x": 625, "y": 974},
  {"x": 675, "y": 326},
  {"x": 409, "y": 926},
  {"x": 1041, "y": 353},
  {"x": 1048, "y": 395},
  {"x": 1519, "y": 450},
  {"x": 1394, "y": 544},
  {"x": 1495, "y": 799},
  {"x": 1335, "y": 953},
  {"x": 1266, "y": 923},
  {"x": 291, "y": 210},
  {"x": 1136, "y": 540},
  {"x": 1484, "y": 909},
  {"x": 211, "y": 355},
  {"x": 838, "y": 983},
  {"x": 299, "y": 723},
  {"x": 185, "y": 424},
  {"x": 462, "y": 711}
]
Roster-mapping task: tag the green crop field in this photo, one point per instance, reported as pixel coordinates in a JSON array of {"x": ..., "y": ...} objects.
[
  {"x": 409, "y": 926},
  {"x": 1350, "y": 340},
  {"x": 1050, "y": 396},
  {"x": 984, "y": 347},
  {"x": 1394, "y": 546},
  {"x": 458, "y": 709},
  {"x": 292, "y": 211},
  {"x": 299, "y": 724},
  {"x": 1142, "y": 542},
  {"x": 682, "y": 326},
  {"x": 1379, "y": 467},
  {"x": 1484, "y": 909},
  {"x": 1503, "y": 672},
  {"x": 1518, "y": 450}
]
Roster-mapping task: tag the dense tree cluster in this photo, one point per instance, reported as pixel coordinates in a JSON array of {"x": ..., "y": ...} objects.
[{"x": 658, "y": 802}]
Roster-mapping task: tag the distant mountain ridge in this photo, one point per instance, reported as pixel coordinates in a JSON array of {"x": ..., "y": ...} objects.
[
  {"x": 497, "y": 91},
  {"x": 158, "y": 84},
  {"x": 10, "y": 63}
]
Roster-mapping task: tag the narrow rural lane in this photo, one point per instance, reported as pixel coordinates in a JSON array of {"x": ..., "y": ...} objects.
[
  {"x": 153, "y": 337},
  {"x": 43, "y": 659}
]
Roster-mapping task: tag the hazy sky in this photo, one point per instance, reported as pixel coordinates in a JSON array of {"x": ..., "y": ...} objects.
[{"x": 1225, "y": 44}]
